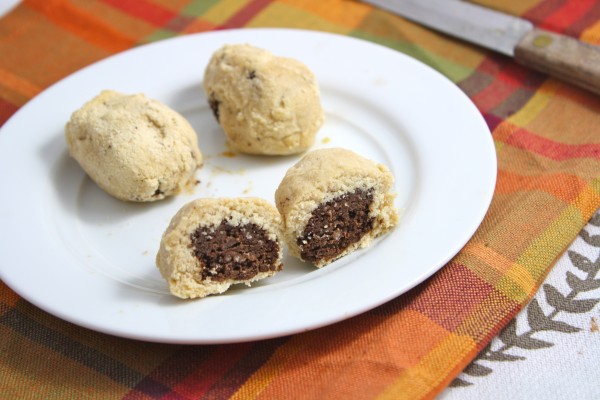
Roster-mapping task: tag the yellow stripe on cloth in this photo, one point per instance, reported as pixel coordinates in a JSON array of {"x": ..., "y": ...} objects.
[
  {"x": 279, "y": 15},
  {"x": 517, "y": 284},
  {"x": 535, "y": 105},
  {"x": 530, "y": 267},
  {"x": 511, "y": 273},
  {"x": 223, "y": 10},
  {"x": 18, "y": 84},
  {"x": 265, "y": 374},
  {"x": 592, "y": 34},
  {"x": 551, "y": 242},
  {"x": 347, "y": 14},
  {"x": 418, "y": 381}
]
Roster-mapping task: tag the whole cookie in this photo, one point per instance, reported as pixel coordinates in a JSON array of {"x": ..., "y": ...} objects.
[
  {"x": 332, "y": 202},
  {"x": 211, "y": 244},
  {"x": 265, "y": 104},
  {"x": 133, "y": 147}
]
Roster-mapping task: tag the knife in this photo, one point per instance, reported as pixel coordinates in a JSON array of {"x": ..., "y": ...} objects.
[{"x": 557, "y": 55}]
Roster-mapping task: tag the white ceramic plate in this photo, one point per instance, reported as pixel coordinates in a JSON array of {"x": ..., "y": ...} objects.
[{"x": 83, "y": 256}]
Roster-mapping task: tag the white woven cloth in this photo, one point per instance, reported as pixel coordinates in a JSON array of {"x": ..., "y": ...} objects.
[{"x": 551, "y": 350}]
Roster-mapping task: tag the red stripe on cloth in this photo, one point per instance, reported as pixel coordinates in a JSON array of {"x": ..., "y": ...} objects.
[
  {"x": 170, "y": 372},
  {"x": 514, "y": 103},
  {"x": 511, "y": 87},
  {"x": 569, "y": 189},
  {"x": 523, "y": 139},
  {"x": 492, "y": 64},
  {"x": 492, "y": 95},
  {"x": 200, "y": 380},
  {"x": 589, "y": 19},
  {"x": 259, "y": 353},
  {"x": 543, "y": 10},
  {"x": 515, "y": 74},
  {"x": 146, "y": 10},
  {"x": 504, "y": 68},
  {"x": 503, "y": 78},
  {"x": 567, "y": 15},
  {"x": 6, "y": 111},
  {"x": 461, "y": 290},
  {"x": 86, "y": 26},
  {"x": 492, "y": 121},
  {"x": 244, "y": 15}
]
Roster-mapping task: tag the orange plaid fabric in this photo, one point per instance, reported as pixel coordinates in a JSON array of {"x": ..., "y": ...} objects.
[{"x": 548, "y": 147}]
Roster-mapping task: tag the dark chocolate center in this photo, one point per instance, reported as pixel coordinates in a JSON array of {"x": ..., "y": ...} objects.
[
  {"x": 234, "y": 252},
  {"x": 335, "y": 225}
]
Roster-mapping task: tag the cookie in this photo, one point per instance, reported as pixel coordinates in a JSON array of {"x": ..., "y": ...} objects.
[
  {"x": 332, "y": 202},
  {"x": 212, "y": 243},
  {"x": 264, "y": 103},
  {"x": 133, "y": 147}
]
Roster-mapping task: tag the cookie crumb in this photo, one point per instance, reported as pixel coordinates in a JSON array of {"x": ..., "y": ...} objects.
[{"x": 228, "y": 154}]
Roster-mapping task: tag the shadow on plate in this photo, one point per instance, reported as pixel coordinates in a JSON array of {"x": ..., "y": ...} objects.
[
  {"x": 151, "y": 288},
  {"x": 78, "y": 194}
]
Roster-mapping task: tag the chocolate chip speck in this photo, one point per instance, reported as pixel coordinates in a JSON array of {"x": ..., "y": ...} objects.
[{"x": 214, "y": 106}]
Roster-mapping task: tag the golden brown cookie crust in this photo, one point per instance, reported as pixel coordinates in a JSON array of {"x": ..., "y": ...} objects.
[
  {"x": 265, "y": 104},
  {"x": 133, "y": 147}
]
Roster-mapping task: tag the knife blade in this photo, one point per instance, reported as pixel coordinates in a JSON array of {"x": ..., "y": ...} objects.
[{"x": 560, "y": 56}]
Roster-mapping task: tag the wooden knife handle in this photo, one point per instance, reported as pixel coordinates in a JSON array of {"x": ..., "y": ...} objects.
[{"x": 562, "y": 57}]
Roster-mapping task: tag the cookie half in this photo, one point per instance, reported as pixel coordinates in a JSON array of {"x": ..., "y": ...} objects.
[
  {"x": 212, "y": 243},
  {"x": 133, "y": 147},
  {"x": 332, "y": 202},
  {"x": 264, "y": 103}
]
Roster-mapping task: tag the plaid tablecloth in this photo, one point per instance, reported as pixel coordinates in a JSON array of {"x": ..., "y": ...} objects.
[
  {"x": 550, "y": 350},
  {"x": 548, "y": 149}
]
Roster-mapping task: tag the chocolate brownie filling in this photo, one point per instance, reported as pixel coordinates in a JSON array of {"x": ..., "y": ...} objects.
[
  {"x": 234, "y": 252},
  {"x": 335, "y": 225}
]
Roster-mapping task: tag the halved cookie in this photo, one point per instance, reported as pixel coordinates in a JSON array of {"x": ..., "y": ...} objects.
[
  {"x": 211, "y": 244},
  {"x": 332, "y": 202}
]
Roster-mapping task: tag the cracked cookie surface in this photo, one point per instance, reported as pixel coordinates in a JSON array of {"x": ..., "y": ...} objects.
[
  {"x": 264, "y": 103},
  {"x": 133, "y": 147}
]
